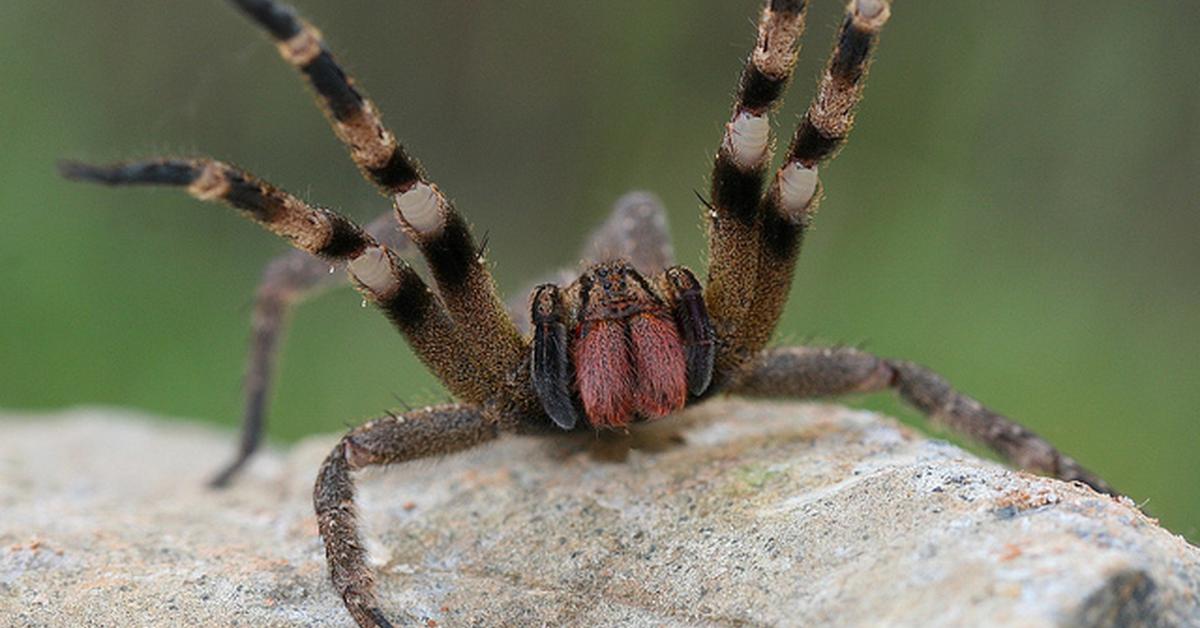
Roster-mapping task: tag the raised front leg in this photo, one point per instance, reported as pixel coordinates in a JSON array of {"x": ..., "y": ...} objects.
[
  {"x": 390, "y": 440},
  {"x": 755, "y": 230},
  {"x": 738, "y": 176},
  {"x": 427, "y": 217},
  {"x": 805, "y": 372},
  {"x": 376, "y": 271}
]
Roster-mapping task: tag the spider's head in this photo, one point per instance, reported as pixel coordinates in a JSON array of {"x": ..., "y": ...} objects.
[{"x": 615, "y": 347}]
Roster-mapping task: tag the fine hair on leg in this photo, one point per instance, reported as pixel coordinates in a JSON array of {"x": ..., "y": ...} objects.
[
  {"x": 738, "y": 176},
  {"x": 390, "y": 440},
  {"x": 427, "y": 217},
  {"x": 791, "y": 200},
  {"x": 806, "y": 372},
  {"x": 377, "y": 272}
]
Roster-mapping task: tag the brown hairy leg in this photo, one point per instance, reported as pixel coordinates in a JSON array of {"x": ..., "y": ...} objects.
[
  {"x": 791, "y": 200},
  {"x": 376, "y": 271},
  {"x": 738, "y": 176},
  {"x": 425, "y": 214},
  {"x": 805, "y": 372},
  {"x": 389, "y": 440},
  {"x": 287, "y": 280},
  {"x": 755, "y": 236}
]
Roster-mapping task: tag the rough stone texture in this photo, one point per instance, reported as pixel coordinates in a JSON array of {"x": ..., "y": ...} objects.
[{"x": 768, "y": 514}]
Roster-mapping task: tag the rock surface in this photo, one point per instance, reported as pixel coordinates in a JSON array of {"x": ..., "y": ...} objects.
[{"x": 732, "y": 514}]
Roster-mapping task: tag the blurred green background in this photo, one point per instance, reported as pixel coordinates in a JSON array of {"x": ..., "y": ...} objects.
[{"x": 1017, "y": 208}]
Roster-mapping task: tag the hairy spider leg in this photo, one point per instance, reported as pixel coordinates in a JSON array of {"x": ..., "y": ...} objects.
[
  {"x": 738, "y": 176},
  {"x": 378, "y": 273},
  {"x": 755, "y": 236},
  {"x": 636, "y": 230},
  {"x": 427, "y": 217},
  {"x": 792, "y": 198},
  {"x": 393, "y": 439},
  {"x": 806, "y": 372}
]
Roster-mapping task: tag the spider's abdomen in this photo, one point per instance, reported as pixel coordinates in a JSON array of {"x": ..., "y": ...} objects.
[{"x": 629, "y": 367}]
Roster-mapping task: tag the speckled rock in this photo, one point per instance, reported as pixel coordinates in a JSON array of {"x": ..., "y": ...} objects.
[{"x": 732, "y": 514}]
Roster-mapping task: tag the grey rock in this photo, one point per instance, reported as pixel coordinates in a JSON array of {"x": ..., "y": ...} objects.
[{"x": 732, "y": 514}]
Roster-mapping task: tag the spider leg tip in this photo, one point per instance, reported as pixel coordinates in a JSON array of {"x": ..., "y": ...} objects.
[{"x": 76, "y": 170}]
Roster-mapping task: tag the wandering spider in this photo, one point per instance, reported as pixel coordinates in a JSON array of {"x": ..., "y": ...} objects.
[{"x": 630, "y": 337}]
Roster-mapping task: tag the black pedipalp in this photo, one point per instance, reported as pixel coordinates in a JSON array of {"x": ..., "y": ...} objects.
[
  {"x": 551, "y": 364},
  {"x": 695, "y": 328}
]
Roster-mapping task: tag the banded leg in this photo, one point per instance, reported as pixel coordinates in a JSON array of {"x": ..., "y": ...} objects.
[
  {"x": 792, "y": 198},
  {"x": 377, "y": 272},
  {"x": 805, "y": 372},
  {"x": 738, "y": 176},
  {"x": 425, "y": 214},
  {"x": 287, "y": 280},
  {"x": 390, "y": 440}
]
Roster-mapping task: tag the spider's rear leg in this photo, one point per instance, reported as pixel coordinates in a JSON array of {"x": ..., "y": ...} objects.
[
  {"x": 378, "y": 273},
  {"x": 390, "y": 440},
  {"x": 806, "y": 372},
  {"x": 287, "y": 280},
  {"x": 426, "y": 215}
]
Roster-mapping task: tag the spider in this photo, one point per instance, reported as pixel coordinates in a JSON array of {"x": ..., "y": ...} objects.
[{"x": 630, "y": 337}]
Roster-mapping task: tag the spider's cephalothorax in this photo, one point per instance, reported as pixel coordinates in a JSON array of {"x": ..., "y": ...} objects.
[{"x": 630, "y": 337}]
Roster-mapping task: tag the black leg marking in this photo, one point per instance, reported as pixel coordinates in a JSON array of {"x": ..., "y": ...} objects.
[
  {"x": 176, "y": 172},
  {"x": 736, "y": 191},
  {"x": 318, "y": 231},
  {"x": 810, "y": 145},
  {"x": 279, "y": 20},
  {"x": 330, "y": 82},
  {"x": 398, "y": 172},
  {"x": 451, "y": 254}
]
